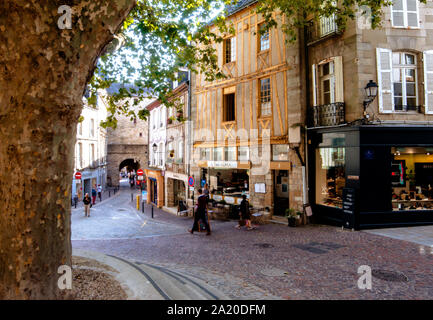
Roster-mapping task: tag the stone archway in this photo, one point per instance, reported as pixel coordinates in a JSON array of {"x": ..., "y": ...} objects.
[{"x": 121, "y": 155}]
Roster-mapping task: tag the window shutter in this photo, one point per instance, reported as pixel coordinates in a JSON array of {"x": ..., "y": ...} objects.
[
  {"x": 428, "y": 81},
  {"x": 339, "y": 84},
  {"x": 314, "y": 83},
  {"x": 233, "y": 48},
  {"x": 384, "y": 79}
]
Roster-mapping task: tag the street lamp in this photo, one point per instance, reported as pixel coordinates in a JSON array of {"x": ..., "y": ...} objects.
[{"x": 370, "y": 92}]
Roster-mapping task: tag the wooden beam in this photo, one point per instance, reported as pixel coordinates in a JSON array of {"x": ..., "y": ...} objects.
[
  {"x": 243, "y": 104},
  {"x": 278, "y": 105},
  {"x": 216, "y": 114},
  {"x": 251, "y": 104},
  {"x": 277, "y": 38},
  {"x": 286, "y": 103}
]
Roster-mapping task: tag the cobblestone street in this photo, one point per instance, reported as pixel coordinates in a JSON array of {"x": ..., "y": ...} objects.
[{"x": 273, "y": 262}]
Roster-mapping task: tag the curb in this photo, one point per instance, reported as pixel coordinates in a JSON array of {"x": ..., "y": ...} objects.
[{"x": 134, "y": 282}]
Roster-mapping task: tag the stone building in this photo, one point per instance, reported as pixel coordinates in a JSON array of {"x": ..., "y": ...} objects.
[
  {"x": 127, "y": 145},
  {"x": 370, "y": 158},
  {"x": 247, "y": 137}
]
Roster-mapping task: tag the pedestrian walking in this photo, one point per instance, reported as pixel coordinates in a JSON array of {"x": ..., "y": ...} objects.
[
  {"x": 99, "y": 192},
  {"x": 200, "y": 213},
  {"x": 206, "y": 190},
  {"x": 75, "y": 200},
  {"x": 245, "y": 215},
  {"x": 94, "y": 194},
  {"x": 87, "y": 203}
]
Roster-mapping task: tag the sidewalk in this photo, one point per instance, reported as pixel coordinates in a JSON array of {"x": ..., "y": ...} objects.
[{"x": 106, "y": 194}]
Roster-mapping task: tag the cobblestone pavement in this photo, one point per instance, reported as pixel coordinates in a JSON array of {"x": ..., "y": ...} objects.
[{"x": 273, "y": 262}]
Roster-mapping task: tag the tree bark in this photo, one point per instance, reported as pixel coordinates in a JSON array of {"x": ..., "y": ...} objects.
[{"x": 43, "y": 73}]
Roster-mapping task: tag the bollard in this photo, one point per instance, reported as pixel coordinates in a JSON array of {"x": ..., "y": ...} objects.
[
  {"x": 132, "y": 198},
  {"x": 142, "y": 206},
  {"x": 109, "y": 193},
  {"x": 152, "y": 211},
  {"x": 138, "y": 202}
]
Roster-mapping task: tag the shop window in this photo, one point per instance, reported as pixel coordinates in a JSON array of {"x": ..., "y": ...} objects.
[
  {"x": 264, "y": 38},
  {"x": 412, "y": 178},
  {"x": 330, "y": 176},
  {"x": 218, "y": 154},
  {"x": 92, "y": 127},
  {"x": 405, "y": 14},
  {"x": 230, "y": 153},
  {"x": 229, "y": 107},
  {"x": 243, "y": 153},
  {"x": 280, "y": 152},
  {"x": 265, "y": 97},
  {"x": 205, "y": 154},
  {"x": 230, "y": 50}
]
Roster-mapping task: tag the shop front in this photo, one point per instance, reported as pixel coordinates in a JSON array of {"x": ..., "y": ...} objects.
[
  {"x": 372, "y": 176},
  {"x": 175, "y": 188},
  {"x": 155, "y": 187}
]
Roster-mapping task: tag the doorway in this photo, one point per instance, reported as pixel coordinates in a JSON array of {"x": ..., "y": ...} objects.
[{"x": 281, "y": 192}]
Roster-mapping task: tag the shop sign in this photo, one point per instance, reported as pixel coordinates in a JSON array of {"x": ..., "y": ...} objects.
[
  {"x": 223, "y": 164},
  {"x": 217, "y": 197},
  {"x": 260, "y": 188},
  {"x": 140, "y": 177},
  {"x": 229, "y": 200}
]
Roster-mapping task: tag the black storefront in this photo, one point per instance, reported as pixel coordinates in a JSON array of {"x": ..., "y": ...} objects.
[{"x": 381, "y": 174}]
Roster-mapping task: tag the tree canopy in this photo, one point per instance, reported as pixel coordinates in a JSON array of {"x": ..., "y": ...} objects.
[{"x": 161, "y": 36}]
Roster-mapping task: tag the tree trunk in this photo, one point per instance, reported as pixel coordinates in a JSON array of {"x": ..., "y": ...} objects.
[{"x": 43, "y": 73}]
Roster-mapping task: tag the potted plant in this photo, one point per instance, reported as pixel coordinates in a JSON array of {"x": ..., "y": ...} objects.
[{"x": 292, "y": 215}]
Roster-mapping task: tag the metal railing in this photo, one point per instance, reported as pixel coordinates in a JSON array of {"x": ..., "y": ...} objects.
[
  {"x": 332, "y": 114},
  {"x": 324, "y": 27}
]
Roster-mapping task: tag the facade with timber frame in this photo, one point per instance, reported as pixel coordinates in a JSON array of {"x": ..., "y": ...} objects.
[{"x": 247, "y": 136}]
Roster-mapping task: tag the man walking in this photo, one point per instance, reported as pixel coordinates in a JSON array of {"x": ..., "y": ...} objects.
[
  {"x": 99, "y": 192},
  {"x": 94, "y": 194},
  {"x": 87, "y": 204},
  {"x": 200, "y": 213}
]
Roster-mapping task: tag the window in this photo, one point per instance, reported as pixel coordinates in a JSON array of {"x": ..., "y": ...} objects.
[
  {"x": 243, "y": 153},
  {"x": 229, "y": 107},
  {"x": 205, "y": 154},
  {"x": 230, "y": 50},
  {"x": 80, "y": 128},
  {"x": 327, "y": 83},
  {"x": 412, "y": 178},
  {"x": 92, "y": 153},
  {"x": 230, "y": 153},
  {"x": 264, "y": 39},
  {"x": 265, "y": 97},
  {"x": 330, "y": 176},
  {"x": 327, "y": 78},
  {"x": 180, "y": 151},
  {"x": 161, "y": 153},
  {"x": 92, "y": 127},
  {"x": 405, "y": 13},
  {"x": 218, "y": 154},
  {"x": 280, "y": 152},
  {"x": 80, "y": 155},
  {"x": 404, "y": 81}
]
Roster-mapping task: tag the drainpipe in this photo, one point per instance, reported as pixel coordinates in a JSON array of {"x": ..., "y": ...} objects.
[{"x": 307, "y": 102}]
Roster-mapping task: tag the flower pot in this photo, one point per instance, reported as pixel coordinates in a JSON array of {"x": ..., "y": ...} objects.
[{"x": 291, "y": 222}]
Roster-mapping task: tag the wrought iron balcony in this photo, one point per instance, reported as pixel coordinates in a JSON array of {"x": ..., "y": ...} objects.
[
  {"x": 327, "y": 115},
  {"x": 324, "y": 27}
]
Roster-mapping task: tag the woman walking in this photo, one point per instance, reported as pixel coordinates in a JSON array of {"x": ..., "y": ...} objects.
[{"x": 87, "y": 201}]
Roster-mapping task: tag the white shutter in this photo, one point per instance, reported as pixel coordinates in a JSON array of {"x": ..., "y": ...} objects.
[
  {"x": 314, "y": 83},
  {"x": 339, "y": 84},
  {"x": 233, "y": 48},
  {"x": 384, "y": 79},
  {"x": 428, "y": 81}
]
